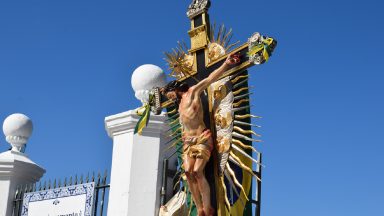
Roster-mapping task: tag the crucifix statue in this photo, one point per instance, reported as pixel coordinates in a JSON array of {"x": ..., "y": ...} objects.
[
  {"x": 196, "y": 137},
  {"x": 212, "y": 131}
]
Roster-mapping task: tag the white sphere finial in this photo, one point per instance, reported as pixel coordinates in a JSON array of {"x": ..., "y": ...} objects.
[
  {"x": 146, "y": 77},
  {"x": 17, "y": 129}
]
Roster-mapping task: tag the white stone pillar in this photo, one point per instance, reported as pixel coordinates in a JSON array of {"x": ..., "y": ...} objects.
[
  {"x": 15, "y": 166},
  {"x": 136, "y": 164}
]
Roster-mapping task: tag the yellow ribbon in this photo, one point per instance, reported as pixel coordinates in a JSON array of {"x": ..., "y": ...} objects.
[
  {"x": 144, "y": 112},
  {"x": 266, "y": 42}
]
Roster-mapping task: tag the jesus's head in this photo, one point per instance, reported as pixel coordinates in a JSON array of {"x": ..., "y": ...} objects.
[{"x": 174, "y": 90}]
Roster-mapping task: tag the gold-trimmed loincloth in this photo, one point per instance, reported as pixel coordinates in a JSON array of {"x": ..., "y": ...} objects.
[{"x": 199, "y": 146}]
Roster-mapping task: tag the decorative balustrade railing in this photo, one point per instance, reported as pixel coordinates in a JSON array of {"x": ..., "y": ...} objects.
[{"x": 100, "y": 194}]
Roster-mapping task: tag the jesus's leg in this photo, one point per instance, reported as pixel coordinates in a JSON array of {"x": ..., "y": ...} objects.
[
  {"x": 203, "y": 185},
  {"x": 192, "y": 183}
]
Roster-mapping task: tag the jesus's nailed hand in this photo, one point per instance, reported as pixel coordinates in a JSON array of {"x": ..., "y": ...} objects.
[{"x": 233, "y": 59}]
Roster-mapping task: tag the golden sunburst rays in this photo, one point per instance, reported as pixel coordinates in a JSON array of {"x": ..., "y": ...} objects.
[
  {"x": 219, "y": 43},
  {"x": 179, "y": 61}
]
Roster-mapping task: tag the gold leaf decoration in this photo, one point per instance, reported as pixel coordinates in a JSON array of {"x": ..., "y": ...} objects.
[
  {"x": 179, "y": 61},
  {"x": 219, "y": 43}
]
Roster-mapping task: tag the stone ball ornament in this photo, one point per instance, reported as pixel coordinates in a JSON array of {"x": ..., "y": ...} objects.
[
  {"x": 17, "y": 129},
  {"x": 145, "y": 78}
]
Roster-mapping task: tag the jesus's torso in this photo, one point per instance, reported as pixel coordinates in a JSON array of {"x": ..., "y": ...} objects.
[{"x": 191, "y": 114}]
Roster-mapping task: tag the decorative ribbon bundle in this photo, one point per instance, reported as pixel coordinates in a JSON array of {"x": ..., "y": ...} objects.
[
  {"x": 153, "y": 104},
  {"x": 144, "y": 112},
  {"x": 260, "y": 48}
]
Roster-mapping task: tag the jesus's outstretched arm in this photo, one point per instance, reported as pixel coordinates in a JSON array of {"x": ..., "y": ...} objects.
[{"x": 215, "y": 75}]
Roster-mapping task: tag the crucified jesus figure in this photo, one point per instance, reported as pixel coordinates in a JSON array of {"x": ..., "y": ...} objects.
[{"x": 196, "y": 137}]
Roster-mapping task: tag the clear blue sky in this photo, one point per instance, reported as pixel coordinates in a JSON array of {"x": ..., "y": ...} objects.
[{"x": 67, "y": 65}]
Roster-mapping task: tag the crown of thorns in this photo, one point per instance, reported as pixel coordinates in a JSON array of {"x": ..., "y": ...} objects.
[{"x": 172, "y": 86}]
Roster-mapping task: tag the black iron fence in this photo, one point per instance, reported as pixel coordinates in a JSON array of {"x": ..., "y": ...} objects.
[
  {"x": 100, "y": 194},
  {"x": 256, "y": 199}
]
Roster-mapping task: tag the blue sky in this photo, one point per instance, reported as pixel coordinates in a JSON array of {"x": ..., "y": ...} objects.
[{"x": 67, "y": 65}]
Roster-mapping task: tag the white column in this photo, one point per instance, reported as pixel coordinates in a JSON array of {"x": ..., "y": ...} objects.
[
  {"x": 15, "y": 167},
  {"x": 136, "y": 164}
]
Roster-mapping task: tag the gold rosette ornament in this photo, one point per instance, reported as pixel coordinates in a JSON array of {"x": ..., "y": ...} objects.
[
  {"x": 180, "y": 63},
  {"x": 219, "y": 43}
]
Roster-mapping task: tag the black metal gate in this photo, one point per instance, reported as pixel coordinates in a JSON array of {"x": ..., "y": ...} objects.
[{"x": 101, "y": 191}]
